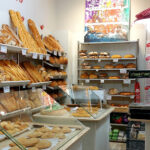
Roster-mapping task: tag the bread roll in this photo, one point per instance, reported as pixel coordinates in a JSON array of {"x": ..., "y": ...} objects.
[
  {"x": 129, "y": 56},
  {"x": 113, "y": 91},
  {"x": 116, "y": 56},
  {"x": 120, "y": 66},
  {"x": 96, "y": 67},
  {"x": 84, "y": 76},
  {"x": 130, "y": 65},
  {"x": 108, "y": 66},
  {"x": 114, "y": 77},
  {"x": 93, "y": 76}
]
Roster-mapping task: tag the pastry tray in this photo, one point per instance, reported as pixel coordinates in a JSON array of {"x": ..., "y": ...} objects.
[
  {"x": 56, "y": 143},
  {"x": 39, "y": 84},
  {"x": 14, "y": 83}
]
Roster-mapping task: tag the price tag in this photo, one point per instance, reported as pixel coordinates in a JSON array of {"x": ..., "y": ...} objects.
[
  {"x": 115, "y": 60},
  {"x": 132, "y": 96},
  {"x": 102, "y": 81},
  {"x": 24, "y": 86},
  {"x": 87, "y": 81},
  {"x": 127, "y": 81},
  {"x": 108, "y": 97},
  {"x": 3, "y": 49},
  {"x": 61, "y": 67},
  {"x": 24, "y": 51},
  {"x": 99, "y": 60},
  {"x": 55, "y": 53},
  {"x": 34, "y": 56},
  {"x": 97, "y": 70},
  {"x": 59, "y": 53},
  {"x": 44, "y": 87},
  {"x": 123, "y": 71},
  {"x": 41, "y": 57},
  {"x": 6, "y": 89},
  {"x": 33, "y": 89},
  {"x": 47, "y": 57}
]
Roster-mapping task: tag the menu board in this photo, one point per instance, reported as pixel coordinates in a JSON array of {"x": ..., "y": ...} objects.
[{"x": 106, "y": 20}]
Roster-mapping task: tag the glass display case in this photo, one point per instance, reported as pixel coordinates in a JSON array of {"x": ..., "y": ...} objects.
[
  {"x": 81, "y": 102},
  {"x": 21, "y": 130}
]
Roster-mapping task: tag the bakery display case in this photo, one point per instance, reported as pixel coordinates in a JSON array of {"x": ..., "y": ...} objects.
[{"x": 20, "y": 130}]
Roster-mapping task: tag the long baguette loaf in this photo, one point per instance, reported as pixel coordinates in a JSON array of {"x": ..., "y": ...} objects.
[{"x": 36, "y": 35}]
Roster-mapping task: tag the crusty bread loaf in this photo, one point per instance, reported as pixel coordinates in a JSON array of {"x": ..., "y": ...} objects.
[{"x": 36, "y": 35}]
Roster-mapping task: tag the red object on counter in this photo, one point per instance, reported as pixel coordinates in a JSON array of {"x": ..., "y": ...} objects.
[{"x": 137, "y": 92}]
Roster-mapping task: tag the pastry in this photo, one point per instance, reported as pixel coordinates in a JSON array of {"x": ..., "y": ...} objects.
[
  {"x": 104, "y": 55},
  {"x": 130, "y": 65},
  {"x": 125, "y": 76},
  {"x": 116, "y": 56},
  {"x": 83, "y": 57},
  {"x": 66, "y": 130},
  {"x": 93, "y": 57},
  {"x": 48, "y": 135},
  {"x": 33, "y": 148},
  {"x": 114, "y": 77},
  {"x": 93, "y": 76},
  {"x": 36, "y": 35},
  {"x": 43, "y": 130},
  {"x": 127, "y": 93},
  {"x": 53, "y": 84},
  {"x": 35, "y": 134},
  {"x": 65, "y": 60},
  {"x": 108, "y": 66},
  {"x": 85, "y": 64},
  {"x": 129, "y": 56},
  {"x": 120, "y": 66},
  {"x": 43, "y": 144},
  {"x": 96, "y": 67},
  {"x": 56, "y": 130},
  {"x": 103, "y": 75},
  {"x": 60, "y": 135},
  {"x": 51, "y": 60},
  {"x": 86, "y": 67},
  {"x": 93, "y": 53},
  {"x": 15, "y": 148},
  {"x": 113, "y": 91},
  {"x": 84, "y": 76},
  {"x": 82, "y": 54}
]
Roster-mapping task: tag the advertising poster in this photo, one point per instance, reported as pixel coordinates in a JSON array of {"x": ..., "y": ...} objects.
[{"x": 107, "y": 20}]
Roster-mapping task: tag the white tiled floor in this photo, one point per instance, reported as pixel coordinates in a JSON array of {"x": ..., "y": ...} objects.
[{"x": 117, "y": 146}]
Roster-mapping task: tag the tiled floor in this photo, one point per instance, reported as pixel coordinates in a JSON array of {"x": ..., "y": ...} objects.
[{"x": 117, "y": 146}]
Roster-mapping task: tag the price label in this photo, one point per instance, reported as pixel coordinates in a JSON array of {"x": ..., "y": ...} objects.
[
  {"x": 55, "y": 53},
  {"x": 99, "y": 60},
  {"x": 108, "y": 97},
  {"x": 44, "y": 87},
  {"x": 127, "y": 81},
  {"x": 61, "y": 67},
  {"x": 41, "y": 57},
  {"x": 24, "y": 86},
  {"x": 59, "y": 53},
  {"x": 123, "y": 71},
  {"x": 102, "y": 81},
  {"x": 24, "y": 51},
  {"x": 115, "y": 60},
  {"x": 97, "y": 70},
  {"x": 6, "y": 89},
  {"x": 35, "y": 55},
  {"x": 87, "y": 81},
  {"x": 47, "y": 57},
  {"x": 132, "y": 96},
  {"x": 33, "y": 89},
  {"x": 3, "y": 49}
]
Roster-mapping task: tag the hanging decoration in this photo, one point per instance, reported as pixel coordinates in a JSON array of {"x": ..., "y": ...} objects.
[{"x": 106, "y": 20}]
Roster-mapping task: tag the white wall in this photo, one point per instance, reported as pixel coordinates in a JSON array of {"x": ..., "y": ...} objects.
[{"x": 42, "y": 12}]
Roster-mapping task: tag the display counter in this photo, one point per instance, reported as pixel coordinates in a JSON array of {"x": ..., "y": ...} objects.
[
  {"x": 88, "y": 110},
  {"x": 22, "y": 131}
]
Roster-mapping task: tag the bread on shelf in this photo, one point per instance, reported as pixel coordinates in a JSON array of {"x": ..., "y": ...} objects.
[
  {"x": 120, "y": 66},
  {"x": 104, "y": 55},
  {"x": 86, "y": 67},
  {"x": 113, "y": 91},
  {"x": 131, "y": 65},
  {"x": 96, "y": 67},
  {"x": 93, "y": 76},
  {"x": 129, "y": 56},
  {"x": 114, "y": 77},
  {"x": 127, "y": 93},
  {"x": 116, "y": 56},
  {"x": 108, "y": 66},
  {"x": 36, "y": 35},
  {"x": 84, "y": 76},
  {"x": 103, "y": 75},
  {"x": 93, "y": 53}
]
